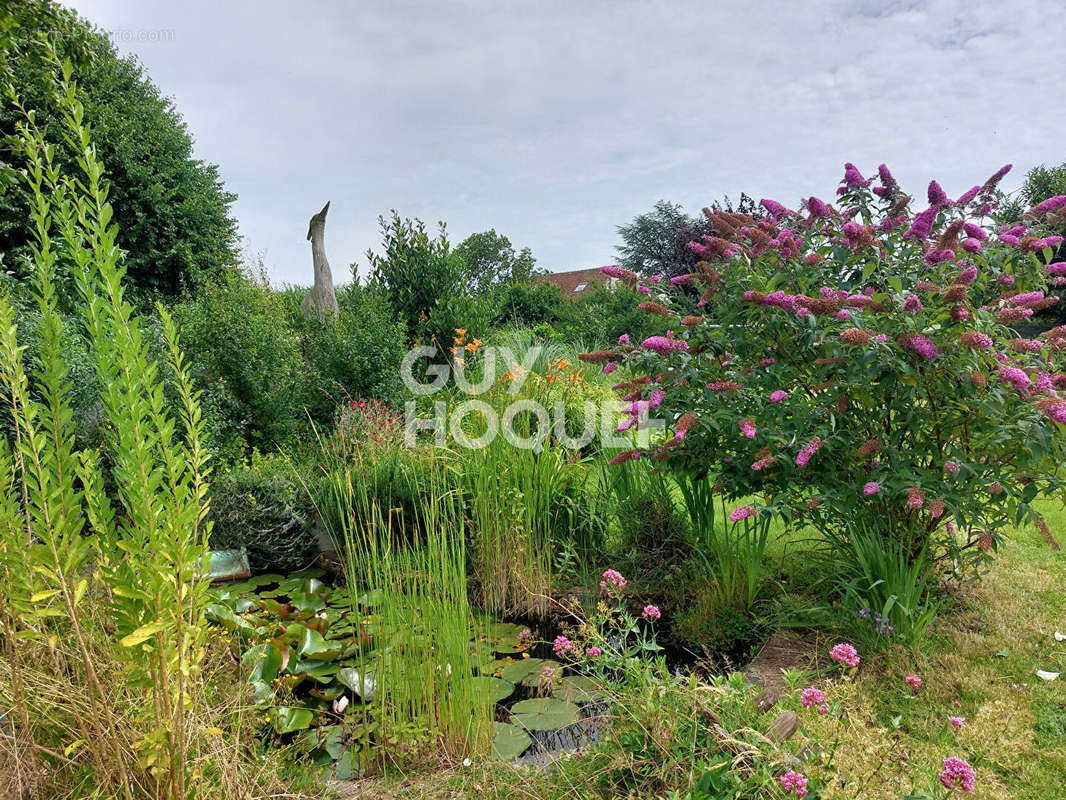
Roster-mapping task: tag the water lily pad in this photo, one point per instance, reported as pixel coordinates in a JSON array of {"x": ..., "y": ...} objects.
[
  {"x": 502, "y": 637},
  {"x": 545, "y": 714},
  {"x": 362, "y": 685},
  {"x": 495, "y": 665},
  {"x": 578, "y": 689},
  {"x": 290, "y": 719},
  {"x": 496, "y": 688},
  {"x": 527, "y": 671},
  {"x": 510, "y": 741}
]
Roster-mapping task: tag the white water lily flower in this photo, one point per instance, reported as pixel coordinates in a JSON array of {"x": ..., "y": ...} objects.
[{"x": 1047, "y": 676}]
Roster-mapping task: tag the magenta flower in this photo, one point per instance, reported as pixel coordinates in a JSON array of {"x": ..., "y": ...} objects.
[
  {"x": 971, "y": 245},
  {"x": 663, "y": 345},
  {"x": 623, "y": 339},
  {"x": 807, "y": 451},
  {"x": 873, "y": 487},
  {"x": 936, "y": 195},
  {"x": 967, "y": 196},
  {"x": 1015, "y": 376},
  {"x": 845, "y": 654},
  {"x": 922, "y": 345},
  {"x": 525, "y": 637},
  {"x": 922, "y": 224},
  {"x": 1047, "y": 206},
  {"x": 1057, "y": 268},
  {"x": 817, "y": 208},
  {"x": 843, "y": 314},
  {"x": 651, "y": 612},
  {"x": 957, "y": 722},
  {"x": 811, "y": 697},
  {"x": 952, "y": 467},
  {"x": 613, "y": 271},
  {"x": 1006, "y": 280},
  {"x": 912, "y": 305},
  {"x": 562, "y": 645},
  {"x": 609, "y": 367},
  {"x": 1056, "y": 412},
  {"x": 741, "y": 513},
  {"x": 747, "y": 427},
  {"x": 957, "y": 774},
  {"x": 644, "y": 290},
  {"x": 852, "y": 176},
  {"x": 793, "y": 781},
  {"x": 913, "y": 681},
  {"x": 594, "y": 652},
  {"x": 774, "y": 208},
  {"x": 547, "y": 674},
  {"x": 778, "y": 395}
]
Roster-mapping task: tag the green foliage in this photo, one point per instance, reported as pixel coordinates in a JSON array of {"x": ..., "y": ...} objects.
[
  {"x": 489, "y": 259},
  {"x": 426, "y": 282},
  {"x": 357, "y": 357},
  {"x": 886, "y": 586},
  {"x": 526, "y": 305},
  {"x": 105, "y": 584},
  {"x": 605, "y": 314},
  {"x": 246, "y": 359},
  {"x": 263, "y": 508},
  {"x": 172, "y": 210}
]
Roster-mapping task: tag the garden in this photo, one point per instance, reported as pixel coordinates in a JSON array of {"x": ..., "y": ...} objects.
[{"x": 775, "y": 517}]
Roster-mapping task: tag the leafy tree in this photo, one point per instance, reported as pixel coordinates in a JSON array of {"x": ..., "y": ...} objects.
[
  {"x": 525, "y": 305},
  {"x": 490, "y": 259},
  {"x": 648, "y": 241},
  {"x": 1043, "y": 182},
  {"x": 426, "y": 282},
  {"x": 656, "y": 242},
  {"x": 172, "y": 210}
]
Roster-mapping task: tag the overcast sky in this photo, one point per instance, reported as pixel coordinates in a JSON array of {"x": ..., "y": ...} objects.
[{"x": 554, "y": 122}]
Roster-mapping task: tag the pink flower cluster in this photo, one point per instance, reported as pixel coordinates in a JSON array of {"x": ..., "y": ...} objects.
[
  {"x": 664, "y": 345},
  {"x": 814, "y": 698},
  {"x": 561, "y": 646},
  {"x": 957, "y": 774},
  {"x": 807, "y": 451},
  {"x": 747, "y": 427},
  {"x": 845, "y": 654},
  {"x": 793, "y": 781},
  {"x": 651, "y": 612},
  {"x": 612, "y": 582},
  {"x": 741, "y": 513},
  {"x": 913, "y": 681}
]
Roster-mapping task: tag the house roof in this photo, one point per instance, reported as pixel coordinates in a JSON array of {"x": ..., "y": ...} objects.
[{"x": 575, "y": 283}]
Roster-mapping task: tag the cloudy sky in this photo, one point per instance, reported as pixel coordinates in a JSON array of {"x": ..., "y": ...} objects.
[{"x": 554, "y": 122}]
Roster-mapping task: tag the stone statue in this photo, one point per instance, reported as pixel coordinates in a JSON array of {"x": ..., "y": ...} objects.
[{"x": 321, "y": 300}]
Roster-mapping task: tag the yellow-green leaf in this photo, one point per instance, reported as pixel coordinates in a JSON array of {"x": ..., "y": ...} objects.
[
  {"x": 37, "y": 597},
  {"x": 79, "y": 590},
  {"x": 142, "y": 634}
]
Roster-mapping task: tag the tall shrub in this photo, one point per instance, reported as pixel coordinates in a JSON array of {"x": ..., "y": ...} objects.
[
  {"x": 856, "y": 364},
  {"x": 101, "y": 612}
]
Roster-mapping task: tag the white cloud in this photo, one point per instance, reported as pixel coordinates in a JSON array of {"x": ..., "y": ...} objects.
[{"x": 553, "y": 122}]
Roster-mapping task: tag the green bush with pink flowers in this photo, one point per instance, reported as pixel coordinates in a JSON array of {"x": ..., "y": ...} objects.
[{"x": 853, "y": 366}]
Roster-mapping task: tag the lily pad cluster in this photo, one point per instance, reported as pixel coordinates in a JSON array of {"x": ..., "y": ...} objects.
[{"x": 308, "y": 656}]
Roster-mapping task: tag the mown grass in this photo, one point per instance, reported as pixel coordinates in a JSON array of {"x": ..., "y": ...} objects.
[{"x": 978, "y": 662}]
